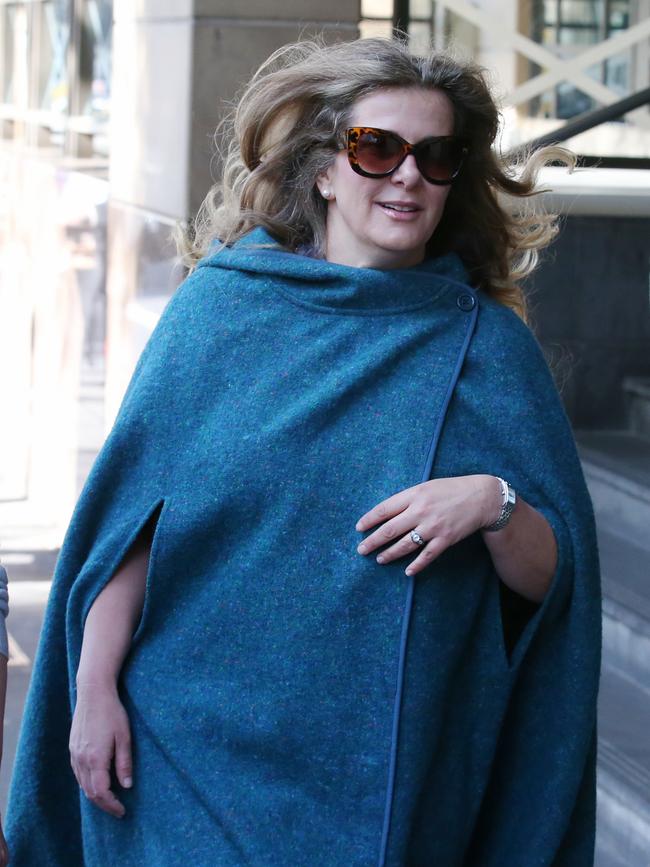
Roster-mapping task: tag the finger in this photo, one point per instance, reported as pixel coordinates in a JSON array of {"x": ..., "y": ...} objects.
[
  {"x": 123, "y": 762},
  {"x": 428, "y": 554},
  {"x": 94, "y": 781},
  {"x": 405, "y": 545},
  {"x": 388, "y": 532},
  {"x": 100, "y": 794},
  {"x": 108, "y": 803},
  {"x": 384, "y": 510},
  {"x": 82, "y": 775},
  {"x": 85, "y": 763},
  {"x": 75, "y": 770}
]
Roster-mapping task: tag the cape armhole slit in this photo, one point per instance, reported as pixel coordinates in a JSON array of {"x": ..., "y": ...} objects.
[
  {"x": 146, "y": 528},
  {"x": 516, "y": 612},
  {"x": 149, "y": 532}
]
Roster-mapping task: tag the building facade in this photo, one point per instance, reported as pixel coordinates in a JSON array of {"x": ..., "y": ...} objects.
[
  {"x": 107, "y": 119},
  {"x": 107, "y": 116}
]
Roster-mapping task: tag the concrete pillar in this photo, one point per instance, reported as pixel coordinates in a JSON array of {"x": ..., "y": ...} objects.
[{"x": 177, "y": 65}]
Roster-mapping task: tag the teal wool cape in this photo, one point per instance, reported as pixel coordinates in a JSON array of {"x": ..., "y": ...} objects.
[{"x": 291, "y": 701}]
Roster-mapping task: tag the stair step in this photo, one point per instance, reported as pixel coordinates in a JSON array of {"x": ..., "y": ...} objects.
[
  {"x": 616, "y": 465},
  {"x": 626, "y": 643},
  {"x": 637, "y": 398},
  {"x": 623, "y": 822},
  {"x": 625, "y": 569},
  {"x": 609, "y": 859}
]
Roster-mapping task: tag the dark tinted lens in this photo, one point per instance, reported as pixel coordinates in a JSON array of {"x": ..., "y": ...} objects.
[
  {"x": 378, "y": 153},
  {"x": 439, "y": 160}
]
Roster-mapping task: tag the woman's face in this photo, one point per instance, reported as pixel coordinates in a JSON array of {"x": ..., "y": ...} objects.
[{"x": 363, "y": 230}]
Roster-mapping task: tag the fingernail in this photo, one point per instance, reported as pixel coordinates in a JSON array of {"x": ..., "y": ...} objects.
[
  {"x": 380, "y": 559},
  {"x": 362, "y": 549},
  {"x": 408, "y": 571},
  {"x": 128, "y": 782}
]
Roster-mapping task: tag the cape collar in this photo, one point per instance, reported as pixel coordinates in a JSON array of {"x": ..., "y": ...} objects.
[{"x": 316, "y": 282}]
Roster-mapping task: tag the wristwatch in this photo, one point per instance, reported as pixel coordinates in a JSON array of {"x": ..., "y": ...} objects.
[{"x": 507, "y": 506}]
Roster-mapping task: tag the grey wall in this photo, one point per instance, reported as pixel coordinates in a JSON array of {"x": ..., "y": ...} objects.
[{"x": 591, "y": 311}]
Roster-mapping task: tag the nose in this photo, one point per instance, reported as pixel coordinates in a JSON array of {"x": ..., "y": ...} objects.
[{"x": 408, "y": 173}]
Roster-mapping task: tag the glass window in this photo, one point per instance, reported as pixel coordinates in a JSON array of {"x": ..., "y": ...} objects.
[
  {"x": 53, "y": 90},
  {"x": 577, "y": 36},
  {"x": 14, "y": 67},
  {"x": 568, "y": 28},
  {"x": 576, "y": 24},
  {"x": 617, "y": 74},
  {"x": 550, "y": 12},
  {"x": 377, "y": 9},
  {"x": 580, "y": 13},
  {"x": 420, "y": 37},
  {"x": 9, "y": 30},
  {"x": 619, "y": 15},
  {"x": 377, "y": 18},
  {"x": 13, "y": 58},
  {"x": 570, "y": 101},
  {"x": 96, "y": 56},
  {"x": 421, "y": 8},
  {"x": 383, "y": 29}
]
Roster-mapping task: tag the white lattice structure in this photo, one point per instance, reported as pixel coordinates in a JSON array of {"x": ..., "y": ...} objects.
[{"x": 526, "y": 73}]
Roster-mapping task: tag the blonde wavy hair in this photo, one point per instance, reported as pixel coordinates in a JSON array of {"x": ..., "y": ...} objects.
[{"x": 288, "y": 126}]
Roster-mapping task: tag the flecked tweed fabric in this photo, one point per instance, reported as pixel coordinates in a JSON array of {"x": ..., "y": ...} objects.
[{"x": 292, "y": 702}]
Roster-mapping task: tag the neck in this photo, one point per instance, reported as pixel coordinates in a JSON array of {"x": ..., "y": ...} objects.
[{"x": 377, "y": 258}]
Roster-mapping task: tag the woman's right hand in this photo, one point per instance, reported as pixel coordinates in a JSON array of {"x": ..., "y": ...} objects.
[{"x": 100, "y": 734}]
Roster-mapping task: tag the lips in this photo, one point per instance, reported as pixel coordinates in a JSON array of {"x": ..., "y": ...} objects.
[
  {"x": 401, "y": 212},
  {"x": 400, "y": 207}
]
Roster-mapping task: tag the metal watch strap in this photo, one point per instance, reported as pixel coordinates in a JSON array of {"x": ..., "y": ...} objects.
[{"x": 507, "y": 506}]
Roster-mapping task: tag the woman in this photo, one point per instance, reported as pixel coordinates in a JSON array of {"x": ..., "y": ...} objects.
[{"x": 340, "y": 393}]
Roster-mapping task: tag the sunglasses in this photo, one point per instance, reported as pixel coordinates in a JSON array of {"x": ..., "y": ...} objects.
[{"x": 377, "y": 153}]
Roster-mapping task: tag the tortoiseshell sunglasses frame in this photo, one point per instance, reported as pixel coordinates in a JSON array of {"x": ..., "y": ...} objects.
[{"x": 353, "y": 133}]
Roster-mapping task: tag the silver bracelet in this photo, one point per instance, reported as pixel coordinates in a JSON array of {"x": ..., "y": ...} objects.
[{"x": 509, "y": 499}]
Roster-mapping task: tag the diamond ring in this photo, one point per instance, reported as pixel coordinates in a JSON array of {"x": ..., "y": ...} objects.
[{"x": 417, "y": 538}]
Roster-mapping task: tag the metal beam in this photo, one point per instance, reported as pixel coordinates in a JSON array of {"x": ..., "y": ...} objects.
[
  {"x": 586, "y": 121},
  {"x": 401, "y": 16}
]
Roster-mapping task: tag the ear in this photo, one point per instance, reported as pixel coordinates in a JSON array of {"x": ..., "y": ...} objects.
[{"x": 324, "y": 183}]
